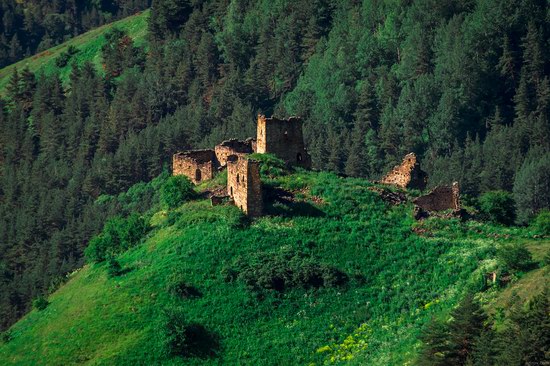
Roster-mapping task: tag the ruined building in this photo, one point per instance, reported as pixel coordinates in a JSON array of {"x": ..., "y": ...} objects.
[
  {"x": 283, "y": 138},
  {"x": 441, "y": 198},
  {"x": 234, "y": 147},
  {"x": 197, "y": 165},
  {"x": 407, "y": 175},
  {"x": 244, "y": 185}
]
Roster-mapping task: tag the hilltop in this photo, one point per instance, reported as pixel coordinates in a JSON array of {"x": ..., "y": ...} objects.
[
  {"x": 88, "y": 46},
  {"x": 332, "y": 273}
]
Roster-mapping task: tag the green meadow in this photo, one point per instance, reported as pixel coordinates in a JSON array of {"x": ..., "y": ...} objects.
[{"x": 332, "y": 275}]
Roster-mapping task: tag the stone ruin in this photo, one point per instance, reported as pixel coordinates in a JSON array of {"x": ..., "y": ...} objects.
[
  {"x": 283, "y": 138},
  {"x": 441, "y": 198},
  {"x": 233, "y": 147},
  {"x": 407, "y": 175},
  {"x": 244, "y": 185},
  {"x": 197, "y": 165}
]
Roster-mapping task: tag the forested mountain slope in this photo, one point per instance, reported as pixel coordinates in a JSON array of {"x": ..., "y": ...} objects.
[
  {"x": 28, "y": 27},
  {"x": 463, "y": 84}
]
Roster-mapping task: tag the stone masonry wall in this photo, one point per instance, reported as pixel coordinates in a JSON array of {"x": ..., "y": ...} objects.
[
  {"x": 283, "y": 138},
  {"x": 197, "y": 165},
  {"x": 441, "y": 198},
  {"x": 407, "y": 175},
  {"x": 244, "y": 184},
  {"x": 232, "y": 147}
]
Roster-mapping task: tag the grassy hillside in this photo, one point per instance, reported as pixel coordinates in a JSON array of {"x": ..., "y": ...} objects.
[
  {"x": 362, "y": 279},
  {"x": 88, "y": 44}
]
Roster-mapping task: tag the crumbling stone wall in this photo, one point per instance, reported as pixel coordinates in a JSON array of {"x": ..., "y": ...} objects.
[
  {"x": 244, "y": 185},
  {"x": 441, "y": 198},
  {"x": 232, "y": 147},
  {"x": 407, "y": 175},
  {"x": 283, "y": 138},
  {"x": 197, "y": 165}
]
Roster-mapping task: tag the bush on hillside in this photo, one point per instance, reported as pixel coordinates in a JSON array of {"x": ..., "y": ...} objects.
[
  {"x": 285, "y": 270},
  {"x": 117, "y": 236},
  {"x": 515, "y": 257},
  {"x": 498, "y": 207},
  {"x": 179, "y": 287},
  {"x": 180, "y": 338},
  {"x": 113, "y": 267},
  {"x": 40, "y": 303},
  {"x": 5, "y": 337},
  {"x": 176, "y": 190},
  {"x": 541, "y": 224}
]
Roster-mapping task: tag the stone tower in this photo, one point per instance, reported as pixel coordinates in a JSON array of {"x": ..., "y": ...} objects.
[
  {"x": 244, "y": 185},
  {"x": 407, "y": 175},
  {"x": 283, "y": 138}
]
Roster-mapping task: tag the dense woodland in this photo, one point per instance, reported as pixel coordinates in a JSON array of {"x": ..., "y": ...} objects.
[
  {"x": 463, "y": 83},
  {"x": 32, "y": 26}
]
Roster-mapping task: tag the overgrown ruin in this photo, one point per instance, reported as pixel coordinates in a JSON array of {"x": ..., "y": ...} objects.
[
  {"x": 407, "y": 175},
  {"x": 197, "y": 165},
  {"x": 441, "y": 198},
  {"x": 233, "y": 147},
  {"x": 283, "y": 138},
  {"x": 244, "y": 185}
]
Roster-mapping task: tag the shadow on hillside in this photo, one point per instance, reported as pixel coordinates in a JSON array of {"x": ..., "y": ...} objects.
[
  {"x": 280, "y": 202},
  {"x": 200, "y": 342}
]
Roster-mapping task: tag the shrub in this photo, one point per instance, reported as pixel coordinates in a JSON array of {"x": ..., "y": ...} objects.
[
  {"x": 498, "y": 207},
  {"x": 285, "y": 270},
  {"x": 178, "y": 287},
  {"x": 6, "y": 337},
  {"x": 541, "y": 224},
  {"x": 117, "y": 236},
  {"x": 40, "y": 303},
  {"x": 180, "y": 338},
  {"x": 172, "y": 332},
  {"x": 113, "y": 267},
  {"x": 515, "y": 257},
  {"x": 176, "y": 190},
  {"x": 64, "y": 57}
]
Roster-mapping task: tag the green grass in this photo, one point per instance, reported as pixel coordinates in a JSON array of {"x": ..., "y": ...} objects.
[
  {"x": 89, "y": 45},
  {"x": 397, "y": 281}
]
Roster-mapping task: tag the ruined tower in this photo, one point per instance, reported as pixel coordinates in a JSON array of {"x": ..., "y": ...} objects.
[
  {"x": 407, "y": 175},
  {"x": 197, "y": 165},
  {"x": 283, "y": 138},
  {"x": 233, "y": 147},
  {"x": 244, "y": 185}
]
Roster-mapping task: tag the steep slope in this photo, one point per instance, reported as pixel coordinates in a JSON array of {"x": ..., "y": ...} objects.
[
  {"x": 358, "y": 283},
  {"x": 88, "y": 45}
]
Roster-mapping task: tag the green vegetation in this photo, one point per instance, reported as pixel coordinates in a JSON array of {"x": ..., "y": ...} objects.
[
  {"x": 84, "y": 48},
  {"x": 498, "y": 207},
  {"x": 541, "y": 224},
  {"x": 40, "y": 303},
  {"x": 342, "y": 277},
  {"x": 331, "y": 274},
  {"x": 176, "y": 190}
]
